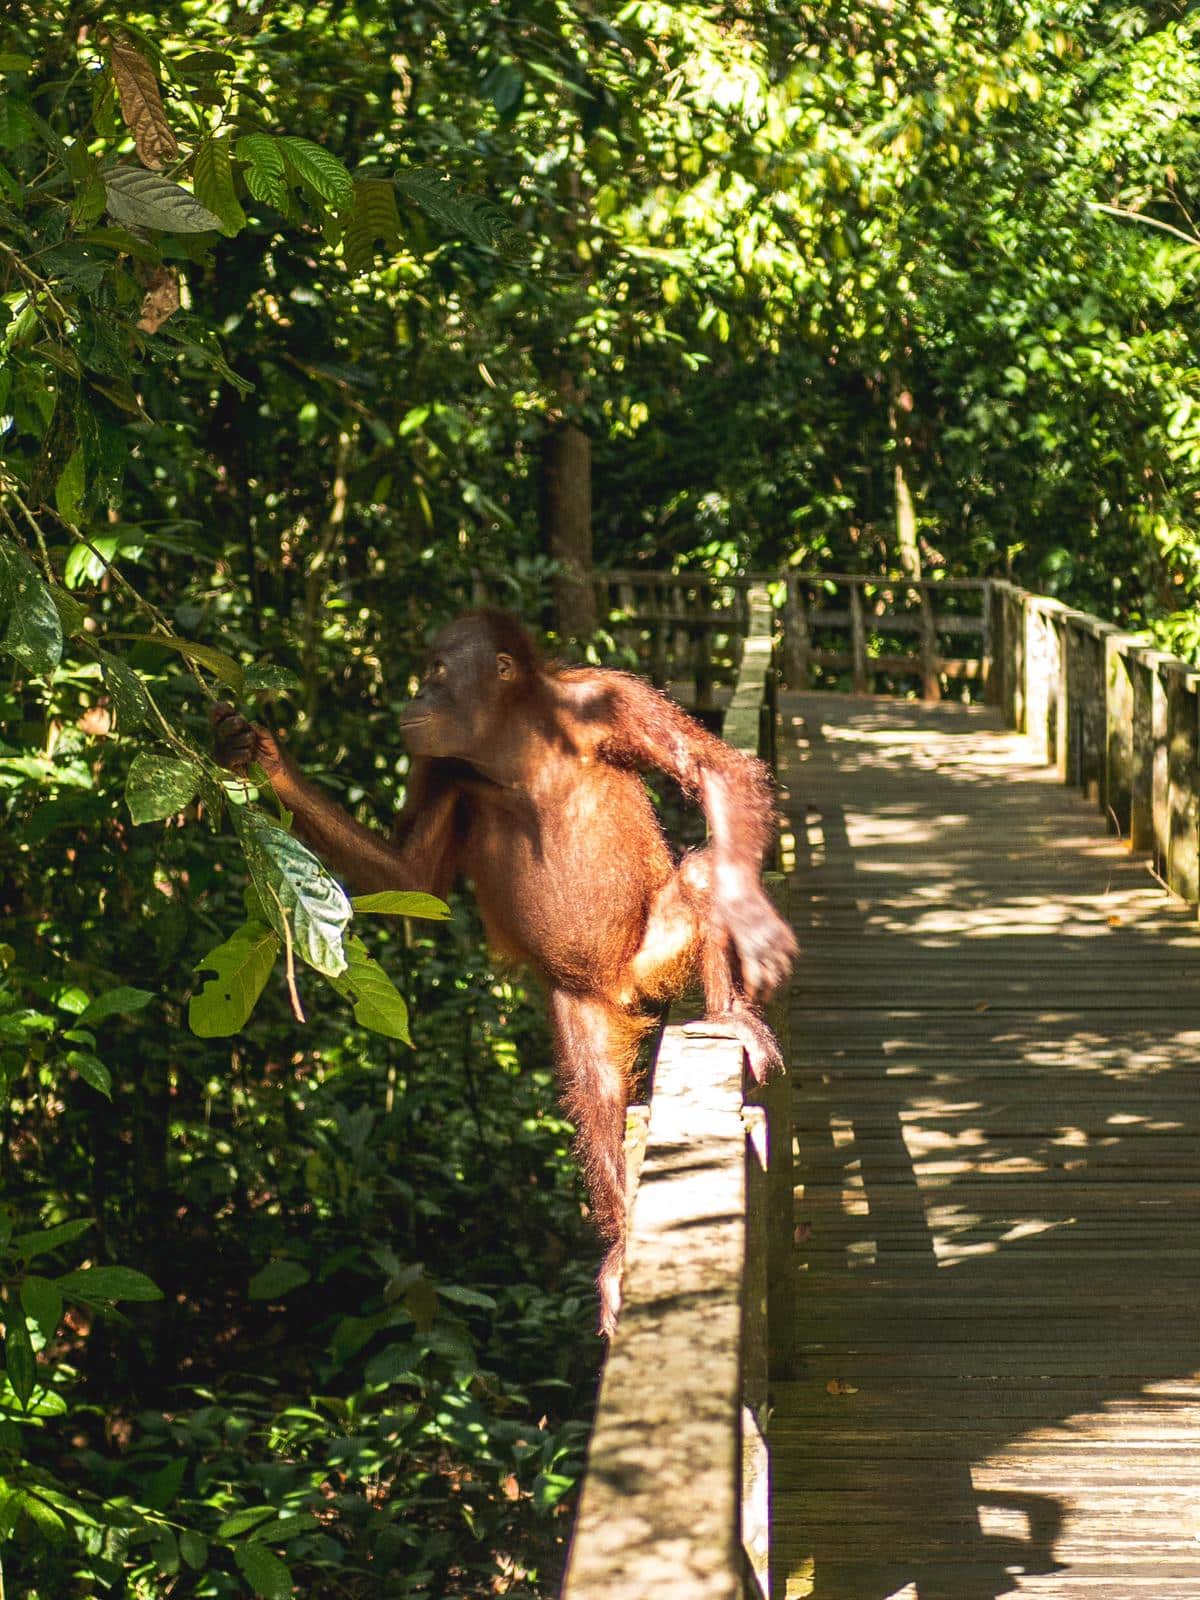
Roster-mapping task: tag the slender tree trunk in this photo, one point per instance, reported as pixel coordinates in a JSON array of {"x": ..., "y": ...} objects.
[
  {"x": 565, "y": 510},
  {"x": 899, "y": 420}
]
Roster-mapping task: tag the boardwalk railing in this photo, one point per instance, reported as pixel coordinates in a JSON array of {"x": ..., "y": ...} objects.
[
  {"x": 886, "y": 635},
  {"x": 1118, "y": 718},
  {"x": 674, "y": 1499}
]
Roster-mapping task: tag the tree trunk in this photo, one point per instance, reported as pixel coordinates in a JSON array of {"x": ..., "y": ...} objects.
[
  {"x": 565, "y": 510},
  {"x": 899, "y": 415}
]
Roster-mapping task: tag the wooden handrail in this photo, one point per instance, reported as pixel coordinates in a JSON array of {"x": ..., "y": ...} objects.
[
  {"x": 674, "y": 1497},
  {"x": 1117, "y": 717}
]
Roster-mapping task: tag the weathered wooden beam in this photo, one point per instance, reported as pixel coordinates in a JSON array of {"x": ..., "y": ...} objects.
[
  {"x": 660, "y": 1509},
  {"x": 858, "y": 643},
  {"x": 1183, "y": 801}
]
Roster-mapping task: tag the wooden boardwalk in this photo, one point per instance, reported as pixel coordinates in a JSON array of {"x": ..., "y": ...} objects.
[{"x": 996, "y": 1050}]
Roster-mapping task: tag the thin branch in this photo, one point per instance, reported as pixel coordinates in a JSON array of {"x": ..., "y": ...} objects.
[{"x": 1151, "y": 222}]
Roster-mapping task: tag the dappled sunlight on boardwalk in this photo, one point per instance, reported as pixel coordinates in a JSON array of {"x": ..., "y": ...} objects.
[{"x": 996, "y": 1047}]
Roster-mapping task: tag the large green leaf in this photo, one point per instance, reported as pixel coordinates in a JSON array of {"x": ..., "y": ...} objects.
[
  {"x": 277, "y": 1278},
  {"x": 34, "y": 635},
  {"x": 19, "y": 1361},
  {"x": 159, "y": 786},
  {"x": 318, "y": 168},
  {"x": 287, "y": 872},
  {"x": 118, "y": 1002},
  {"x": 141, "y": 199},
  {"x": 263, "y": 1571},
  {"x": 212, "y": 178},
  {"x": 129, "y": 694},
  {"x": 378, "y": 1004},
  {"x": 42, "y": 1301},
  {"x": 218, "y": 662},
  {"x": 105, "y": 1285},
  {"x": 401, "y": 903},
  {"x": 264, "y": 168},
  {"x": 243, "y": 965},
  {"x": 31, "y": 1245}
]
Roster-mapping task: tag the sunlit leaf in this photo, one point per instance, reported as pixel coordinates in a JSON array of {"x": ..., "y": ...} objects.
[
  {"x": 283, "y": 869},
  {"x": 242, "y": 966},
  {"x": 141, "y": 199},
  {"x": 377, "y": 1003},
  {"x": 141, "y": 104},
  {"x": 401, "y": 903}
]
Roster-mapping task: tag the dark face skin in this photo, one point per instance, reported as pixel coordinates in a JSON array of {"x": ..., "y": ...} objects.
[{"x": 462, "y": 692}]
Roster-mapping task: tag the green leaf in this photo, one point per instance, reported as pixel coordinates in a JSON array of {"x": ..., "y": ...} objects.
[
  {"x": 34, "y": 636},
  {"x": 212, "y": 179},
  {"x": 71, "y": 487},
  {"x": 374, "y": 217},
  {"x": 243, "y": 965},
  {"x": 103, "y": 1285},
  {"x": 91, "y": 1070},
  {"x": 19, "y": 1360},
  {"x": 118, "y": 1002},
  {"x": 549, "y": 1488},
  {"x": 31, "y": 1245},
  {"x": 276, "y": 1279},
  {"x": 43, "y": 1303},
  {"x": 129, "y": 694},
  {"x": 318, "y": 169},
  {"x": 401, "y": 903},
  {"x": 469, "y": 216},
  {"x": 218, "y": 662},
  {"x": 47, "y": 1521},
  {"x": 378, "y": 1004},
  {"x": 264, "y": 168},
  {"x": 264, "y": 1571},
  {"x": 266, "y": 678},
  {"x": 194, "y": 1550},
  {"x": 141, "y": 199},
  {"x": 286, "y": 872},
  {"x": 159, "y": 786},
  {"x": 245, "y": 1519},
  {"x": 465, "y": 1297},
  {"x": 71, "y": 614}
]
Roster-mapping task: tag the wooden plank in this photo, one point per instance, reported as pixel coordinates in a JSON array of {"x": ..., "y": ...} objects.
[{"x": 996, "y": 1053}]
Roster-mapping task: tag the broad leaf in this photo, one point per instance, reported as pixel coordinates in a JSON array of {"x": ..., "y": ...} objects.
[
  {"x": 129, "y": 694},
  {"x": 104, "y": 1285},
  {"x": 31, "y": 1245},
  {"x": 276, "y": 1278},
  {"x": 113, "y": 1003},
  {"x": 401, "y": 903},
  {"x": 140, "y": 199},
  {"x": 91, "y": 1070},
  {"x": 266, "y": 678},
  {"x": 218, "y": 662},
  {"x": 373, "y": 218},
  {"x": 141, "y": 104},
  {"x": 263, "y": 1571},
  {"x": 264, "y": 168},
  {"x": 42, "y": 1301},
  {"x": 318, "y": 168},
  {"x": 159, "y": 786},
  {"x": 282, "y": 867},
  {"x": 19, "y": 1360},
  {"x": 378, "y": 1004},
  {"x": 71, "y": 487},
  {"x": 212, "y": 179},
  {"x": 34, "y": 635},
  {"x": 243, "y": 965}
]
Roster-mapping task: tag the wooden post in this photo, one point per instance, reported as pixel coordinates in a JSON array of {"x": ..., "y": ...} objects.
[
  {"x": 776, "y": 1097},
  {"x": 797, "y": 644},
  {"x": 703, "y": 664},
  {"x": 1141, "y": 826},
  {"x": 1161, "y": 787},
  {"x": 1118, "y": 732},
  {"x": 1037, "y": 689},
  {"x": 1067, "y": 702},
  {"x": 1183, "y": 804},
  {"x": 931, "y": 687},
  {"x": 858, "y": 641}
]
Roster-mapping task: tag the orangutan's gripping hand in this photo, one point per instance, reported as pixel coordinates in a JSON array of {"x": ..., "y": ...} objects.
[
  {"x": 238, "y": 744},
  {"x": 765, "y": 945}
]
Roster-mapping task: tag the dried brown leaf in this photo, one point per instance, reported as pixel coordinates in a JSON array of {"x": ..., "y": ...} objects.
[
  {"x": 839, "y": 1386},
  {"x": 162, "y": 299},
  {"x": 141, "y": 105}
]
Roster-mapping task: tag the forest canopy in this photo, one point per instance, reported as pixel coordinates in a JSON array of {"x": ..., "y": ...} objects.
[{"x": 311, "y": 317}]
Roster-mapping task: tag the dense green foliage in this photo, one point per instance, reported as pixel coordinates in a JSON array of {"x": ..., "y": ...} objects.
[{"x": 296, "y": 305}]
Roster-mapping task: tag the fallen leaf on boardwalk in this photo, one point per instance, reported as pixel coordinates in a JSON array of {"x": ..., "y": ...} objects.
[
  {"x": 839, "y": 1386},
  {"x": 1114, "y": 922},
  {"x": 984, "y": 1005},
  {"x": 804, "y": 1233}
]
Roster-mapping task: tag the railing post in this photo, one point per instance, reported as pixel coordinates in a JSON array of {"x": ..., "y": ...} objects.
[
  {"x": 858, "y": 641},
  {"x": 797, "y": 645},
  {"x": 1183, "y": 840},
  {"x": 931, "y": 688},
  {"x": 1118, "y": 732},
  {"x": 992, "y": 669}
]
